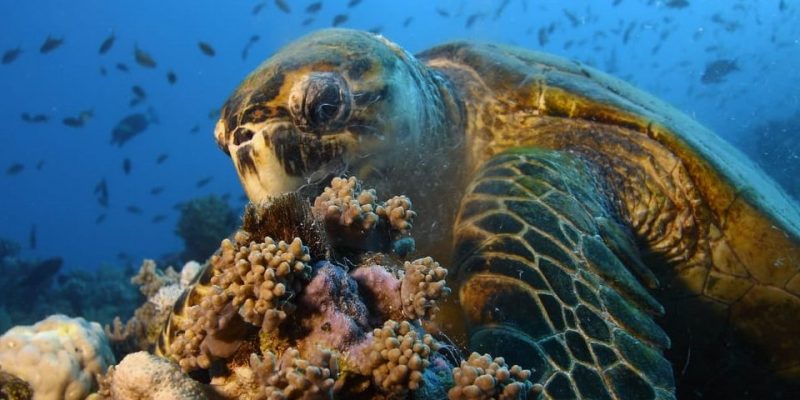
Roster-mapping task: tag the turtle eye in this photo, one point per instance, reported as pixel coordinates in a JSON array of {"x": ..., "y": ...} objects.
[{"x": 320, "y": 103}]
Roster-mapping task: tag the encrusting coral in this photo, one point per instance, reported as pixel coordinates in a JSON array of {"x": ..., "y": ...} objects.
[
  {"x": 59, "y": 357},
  {"x": 143, "y": 376}
]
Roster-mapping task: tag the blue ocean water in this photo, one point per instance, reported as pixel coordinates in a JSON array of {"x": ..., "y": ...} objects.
[{"x": 50, "y": 170}]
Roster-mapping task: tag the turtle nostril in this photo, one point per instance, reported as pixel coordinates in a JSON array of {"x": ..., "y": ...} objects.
[{"x": 242, "y": 135}]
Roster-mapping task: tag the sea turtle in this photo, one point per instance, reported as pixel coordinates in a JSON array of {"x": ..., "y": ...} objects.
[{"x": 598, "y": 235}]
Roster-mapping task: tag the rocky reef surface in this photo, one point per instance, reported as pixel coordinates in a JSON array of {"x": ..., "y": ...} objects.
[{"x": 307, "y": 300}]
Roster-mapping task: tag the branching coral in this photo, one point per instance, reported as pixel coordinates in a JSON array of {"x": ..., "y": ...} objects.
[
  {"x": 150, "y": 279},
  {"x": 294, "y": 377},
  {"x": 355, "y": 218},
  {"x": 423, "y": 286},
  {"x": 481, "y": 377},
  {"x": 398, "y": 356}
]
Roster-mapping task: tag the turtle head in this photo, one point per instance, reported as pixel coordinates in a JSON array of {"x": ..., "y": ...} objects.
[{"x": 332, "y": 101}]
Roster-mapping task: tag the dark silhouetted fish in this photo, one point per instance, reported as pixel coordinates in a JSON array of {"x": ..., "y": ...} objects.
[
  {"x": 133, "y": 209},
  {"x": 101, "y": 190},
  {"x": 39, "y": 165},
  {"x": 314, "y": 7},
  {"x": 375, "y": 29},
  {"x": 107, "y": 44},
  {"x": 80, "y": 120},
  {"x": 307, "y": 21},
  {"x": 143, "y": 58},
  {"x": 14, "y": 169},
  {"x": 616, "y": 3},
  {"x": 573, "y": 20},
  {"x": 50, "y": 44},
  {"x": 127, "y": 128},
  {"x": 442, "y": 12},
  {"x": 161, "y": 158},
  {"x": 127, "y": 166},
  {"x": 258, "y": 7},
  {"x": 159, "y": 218},
  {"x": 716, "y": 71},
  {"x": 42, "y": 272},
  {"x": 542, "y": 37},
  {"x": 250, "y": 42},
  {"x": 195, "y": 129},
  {"x": 627, "y": 35},
  {"x": 10, "y": 55},
  {"x": 677, "y": 4},
  {"x": 499, "y": 10},
  {"x": 204, "y": 181},
  {"x": 339, "y": 19},
  {"x": 138, "y": 91},
  {"x": 782, "y": 6},
  {"x": 32, "y": 237},
  {"x": 100, "y": 218},
  {"x": 353, "y": 3},
  {"x": 283, "y": 6},
  {"x": 472, "y": 19},
  {"x": 157, "y": 190},
  {"x": 34, "y": 119},
  {"x": 103, "y": 71},
  {"x": 206, "y": 49},
  {"x": 122, "y": 67},
  {"x": 171, "y": 77},
  {"x": 728, "y": 25},
  {"x": 407, "y": 22}
]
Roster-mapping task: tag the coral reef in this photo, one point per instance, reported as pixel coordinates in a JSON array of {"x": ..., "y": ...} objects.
[
  {"x": 143, "y": 376},
  {"x": 202, "y": 223},
  {"x": 298, "y": 305},
  {"x": 59, "y": 357}
]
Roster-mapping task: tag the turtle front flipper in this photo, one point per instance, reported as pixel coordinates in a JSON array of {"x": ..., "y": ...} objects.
[{"x": 548, "y": 280}]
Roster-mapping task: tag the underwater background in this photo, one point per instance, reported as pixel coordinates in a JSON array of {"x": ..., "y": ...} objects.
[{"x": 108, "y": 109}]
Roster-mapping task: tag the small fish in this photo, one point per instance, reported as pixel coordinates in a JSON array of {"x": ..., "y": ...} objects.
[
  {"x": 627, "y": 35},
  {"x": 407, "y": 21},
  {"x": 103, "y": 71},
  {"x": 339, "y": 19},
  {"x": 50, "y": 44},
  {"x": 39, "y": 165},
  {"x": 157, "y": 190},
  {"x": 107, "y": 43},
  {"x": 138, "y": 91},
  {"x": 195, "y": 129},
  {"x": 14, "y": 169},
  {"x": 122, "y": 67},
  {"x": 73, "y": 122},
  {"x": 472, "y": 19},
  {"x": 314, "y": 7},
  {"x": 542, "y": 37},
  {"x": 375, "y": 29},
  {"x": 250, "y": 42},
  {"x": 101, "y": 190},
  {"x": 206, "y": 49},
  {"x": 133, "y": 209},
  {"x": 573, "y": 20},
  {"x": 283, "y": 6},
  {"x": 204, "y": 181},
  {"x": 171, "y": 77},
  {"x": 161, "y": 158},
  {"x": 34, "y": 119},
  {"x": 127, "y": 166},
  {"x": 307, "y": 21},
  {"x": 135, "y": 101},
  {"x": 143, "y": 58},
  {"x": 159, "y": 218},
  {"x": 716, "y": 71},
  {"x": 678, "y": 4},
  {"x": 442, "y": 12},
  {"x": 782, "y": 6},
  {"x": 127, "y": 128},
  {"x": 616, "y": 3},
  {"x": 32, "y": 237},
  {"x": 258, "y": 7},
  {"x": 502, "y": 7},
  {"x": 353, "y": 3},
  {"x": 10, "y": 55},
  {"x": 100, "y": 218},
  {"x": 213, "y": 113}
]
